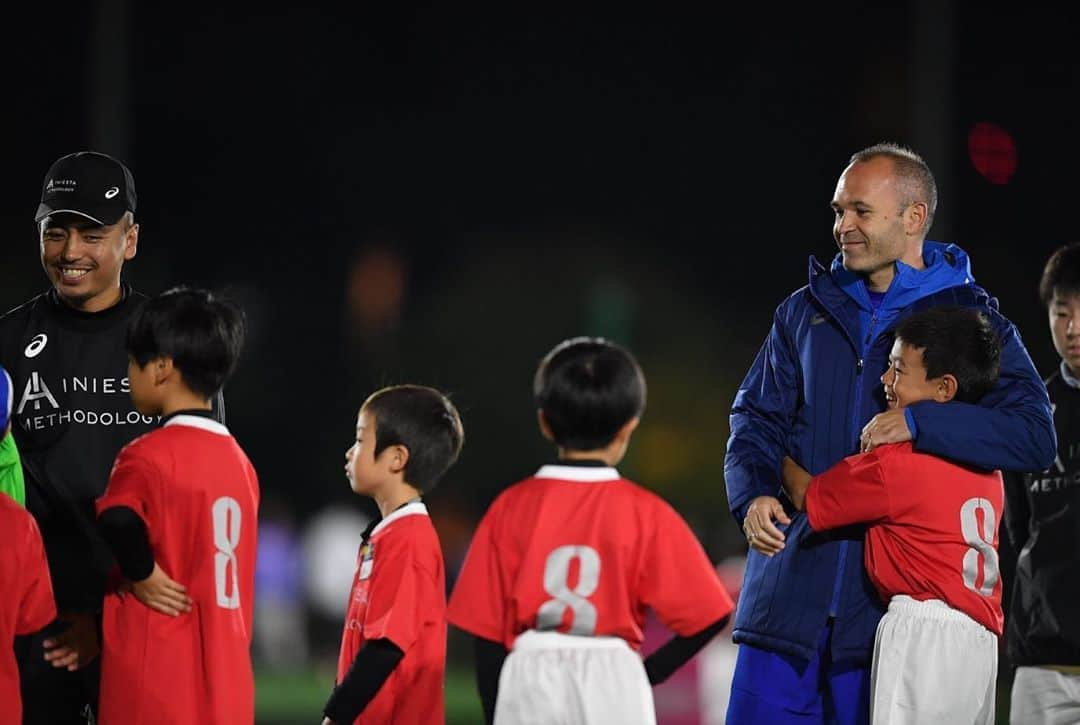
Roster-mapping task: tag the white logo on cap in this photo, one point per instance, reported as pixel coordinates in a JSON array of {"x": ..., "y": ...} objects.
[
  {"x": 112, "y": 192},
  {"x": 37, "y": 344},
  {"x": 58, "y": 185}
]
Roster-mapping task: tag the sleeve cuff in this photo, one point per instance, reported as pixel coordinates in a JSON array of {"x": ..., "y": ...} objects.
[
  {"x": 810, "y": 505},
  {"x": 910, "y": 418}
]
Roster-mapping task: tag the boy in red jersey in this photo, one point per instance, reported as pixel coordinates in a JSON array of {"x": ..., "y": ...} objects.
[
  {"x": 181, "y": 502},
  {"x": 26, "y": 595},
  {"x": 393, "y": 648},
  {"x": 564, "y": 564},
  {"x": 931, "y": 547}
]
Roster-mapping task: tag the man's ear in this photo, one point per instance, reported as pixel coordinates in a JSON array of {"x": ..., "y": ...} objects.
[
  {"x": 914, "y": 218},
  {"x": 545, "y": 429},
  {"x": 131, "y": 242},
  {"x": 946, "y": 389}
]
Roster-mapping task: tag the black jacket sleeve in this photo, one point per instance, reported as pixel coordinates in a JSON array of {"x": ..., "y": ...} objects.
[
  {"x": 373, "y": 664},
  {"x": 662, "y": 663},
  {"x": 489, "y": 658},
  {"x": 1017, "y": 509},
  {"x": 125, "y": 532}
]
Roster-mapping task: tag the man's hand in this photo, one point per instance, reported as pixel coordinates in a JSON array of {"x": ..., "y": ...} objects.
[
  {"x": 77, "y": 645},
  {"x": 796, "y": 481},
  {"x": 161, "y": 593},
  {"x": 888, "y": 427},
  {"x": 759, "y": 528}
]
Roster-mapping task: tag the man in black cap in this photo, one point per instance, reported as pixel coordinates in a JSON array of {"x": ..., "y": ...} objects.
[{"x": 72, "y": 413}]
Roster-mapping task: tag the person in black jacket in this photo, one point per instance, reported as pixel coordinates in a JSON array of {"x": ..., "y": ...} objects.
[
  {"x": 1042, "y": 515},
  {"x": 72, "y": 413}
]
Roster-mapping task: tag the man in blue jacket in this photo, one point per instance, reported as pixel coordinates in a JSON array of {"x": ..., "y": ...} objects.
[{"x": 807, "y": 612}]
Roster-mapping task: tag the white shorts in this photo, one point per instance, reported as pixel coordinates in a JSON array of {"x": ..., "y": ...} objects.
[
  {"x": 1043, "y": 696},
  {"x": 559, "y": 679},
  {"x": 932, "y": 664}
]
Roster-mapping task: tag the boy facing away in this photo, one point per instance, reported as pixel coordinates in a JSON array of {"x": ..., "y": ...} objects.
[
  {"x": 26, "y": 595},
  {"x": 181, "y": 503},
  {"x": 563, "y": 566},
  {"x": 393, "y": 647},
  {"x": 932, "y": 545}
]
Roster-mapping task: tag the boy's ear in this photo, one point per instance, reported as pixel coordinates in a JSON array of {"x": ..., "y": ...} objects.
[
  {"x": 545, "y": 429},
  {"x": 628, "y": 428},
  {"x": 163, "y": 369},
  {"x": 398, "y": 457},
  {"x": 946, "y": 388}
]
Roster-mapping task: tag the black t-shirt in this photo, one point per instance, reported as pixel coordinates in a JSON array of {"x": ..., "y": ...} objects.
[
  {"x": 71, "y": 415},
  {"x": 1042, "y": 512}
]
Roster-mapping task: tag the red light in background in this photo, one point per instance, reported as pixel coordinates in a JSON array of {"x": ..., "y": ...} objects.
[
  {"x": 376, "y": 289},
  {"x": 992, "y": 152}
]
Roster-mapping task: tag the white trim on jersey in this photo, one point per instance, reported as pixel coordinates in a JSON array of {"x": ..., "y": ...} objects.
[
  {"x": 585, "y": 474},
  {"x": 414, "y": 508},
  {"x": 195, "y": 421}
]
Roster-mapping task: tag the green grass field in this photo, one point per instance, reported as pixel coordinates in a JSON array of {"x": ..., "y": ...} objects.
[{"x": 296, "y": 698}]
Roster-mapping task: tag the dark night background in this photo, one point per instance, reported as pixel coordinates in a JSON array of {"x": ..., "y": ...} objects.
[{"x": 439, "y": 195}]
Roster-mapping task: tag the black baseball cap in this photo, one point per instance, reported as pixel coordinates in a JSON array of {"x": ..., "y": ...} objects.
[{"x": 89, "y": 184}]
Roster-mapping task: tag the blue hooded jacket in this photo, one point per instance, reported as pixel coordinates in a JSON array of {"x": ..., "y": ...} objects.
[{"x": 812, "y": 387}]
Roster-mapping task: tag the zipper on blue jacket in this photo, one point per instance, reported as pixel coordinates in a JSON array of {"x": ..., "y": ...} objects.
[{"x": 841, "y": 559}]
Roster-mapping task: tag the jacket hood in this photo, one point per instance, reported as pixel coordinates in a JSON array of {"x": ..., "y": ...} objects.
[{"x": 947, "y": 266}]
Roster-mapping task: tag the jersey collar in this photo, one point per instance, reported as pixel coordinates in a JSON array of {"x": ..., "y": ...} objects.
[
  {"x": 1068, "y": 377},
  {"x": 416, "y": 508},
  {"x": 585, "y": 474},
  {"x": 197, "y": 421}
]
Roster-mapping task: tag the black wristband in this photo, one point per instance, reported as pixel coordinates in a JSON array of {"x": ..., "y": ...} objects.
[
  {"x": 677, "y": 652},
  {"x": 489, "y": 657},
  {"x": 371, "y": 667}
]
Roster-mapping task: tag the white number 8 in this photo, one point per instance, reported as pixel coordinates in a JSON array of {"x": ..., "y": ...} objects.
[
  {"x": 226, "y": 515},
  {"x": 982, "y": 542},
  {"x": 556, "y": 577}
]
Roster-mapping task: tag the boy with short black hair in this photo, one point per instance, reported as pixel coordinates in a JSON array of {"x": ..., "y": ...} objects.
[
  {"x": 931, "y": 547},
  {"x": 1043, "y": 518},
  {"x": 393, "y": 648},
  {"x": 564, "y": 564},
  {"x": 181, "y": 502}
]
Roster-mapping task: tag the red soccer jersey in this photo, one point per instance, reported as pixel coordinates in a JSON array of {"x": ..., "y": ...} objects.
[
  {"x": 581, "y": 550},
  {"x": 26, "y": 597},
  {"x": 934, "y": 526},
  {"x": 399, "y": 594},
  {"x": 199, "y": 496}
]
